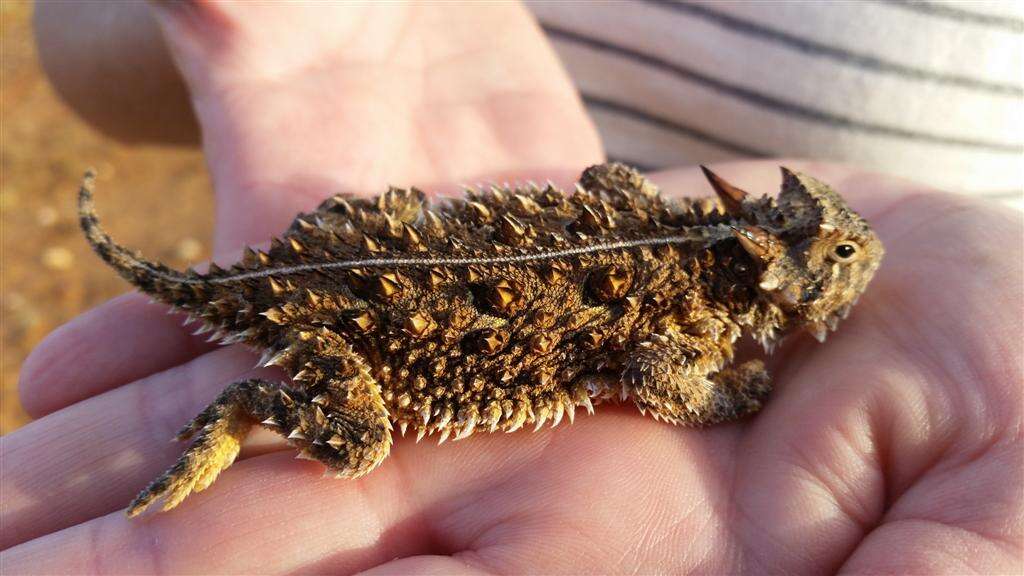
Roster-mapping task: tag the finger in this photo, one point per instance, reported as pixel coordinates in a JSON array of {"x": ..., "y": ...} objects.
[
  {"x": 120, "y": 341},
  {"x": 296, "y": 110},
  {"x": 497, "y": 503},
  {"x": 113, "y": 69},
  {"x": 455, "y": 565},
  {"x": 322, "y": 528},
  {"x": 285, "y": 529},
  {"x": 92, "y": 457}
]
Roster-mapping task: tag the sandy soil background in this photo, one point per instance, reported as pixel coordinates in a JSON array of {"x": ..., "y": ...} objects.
[{"x": 155, "y": 199}]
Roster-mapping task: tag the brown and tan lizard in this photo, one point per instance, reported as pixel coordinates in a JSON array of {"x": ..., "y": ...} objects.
[{"x": 508, "y": 308}]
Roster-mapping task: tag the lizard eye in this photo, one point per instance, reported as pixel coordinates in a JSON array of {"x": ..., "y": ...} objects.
[{"x": 845, "y": 252}]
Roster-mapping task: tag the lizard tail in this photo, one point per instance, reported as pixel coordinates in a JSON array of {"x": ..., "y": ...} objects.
[{"x": 165, "y": 284}]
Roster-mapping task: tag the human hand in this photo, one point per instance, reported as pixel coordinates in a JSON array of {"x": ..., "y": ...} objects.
[{"x": 893, "y": 447}]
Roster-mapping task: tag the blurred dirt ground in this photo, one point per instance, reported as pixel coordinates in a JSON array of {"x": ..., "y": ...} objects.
[{"x": 154, "y": 199}]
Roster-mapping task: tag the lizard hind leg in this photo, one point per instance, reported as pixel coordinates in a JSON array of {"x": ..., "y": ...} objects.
[
  {"x": 350, "y": 436},
  {"x": 217, "y": 434}
]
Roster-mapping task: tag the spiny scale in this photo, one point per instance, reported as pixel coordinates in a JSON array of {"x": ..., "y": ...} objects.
[{"x": 510, "y": 307}]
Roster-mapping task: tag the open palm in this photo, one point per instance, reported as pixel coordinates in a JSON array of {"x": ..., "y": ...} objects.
[{"x": 896, "y": 446}]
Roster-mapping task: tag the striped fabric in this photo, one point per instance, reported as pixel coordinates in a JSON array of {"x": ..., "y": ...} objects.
[{"x": 928, "y": 90}]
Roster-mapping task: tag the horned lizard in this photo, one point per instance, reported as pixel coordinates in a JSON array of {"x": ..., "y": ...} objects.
[{"x": 510, "y": 307}]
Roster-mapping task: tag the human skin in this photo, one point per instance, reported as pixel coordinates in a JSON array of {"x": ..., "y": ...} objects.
[{"x": 894, "y": 447}]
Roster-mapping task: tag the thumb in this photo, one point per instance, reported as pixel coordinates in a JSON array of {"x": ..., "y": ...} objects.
[{"x": 298, "y": 104}]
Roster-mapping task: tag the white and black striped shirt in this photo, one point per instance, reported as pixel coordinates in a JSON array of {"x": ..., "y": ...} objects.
[{"x": 932, "y": 91}]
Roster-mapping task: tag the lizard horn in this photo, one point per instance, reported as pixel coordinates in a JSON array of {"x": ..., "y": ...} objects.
[{"x": 731, "y": 196}]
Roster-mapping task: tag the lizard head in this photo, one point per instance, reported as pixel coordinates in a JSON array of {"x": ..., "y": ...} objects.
[{"x": 815, "y": 255}]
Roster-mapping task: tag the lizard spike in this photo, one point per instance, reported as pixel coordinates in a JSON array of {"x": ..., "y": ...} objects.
[
  {"x": 444, "y": 436},
  {"x": 589, "y": 405},
  {"x": 539, "y": 422},
  {"x": 432, "y": 221},
  {"x": 392, "y": 226},
  {"x": 271, "y": 422},
  {"x": 570, "y": 411},
  {"x": 276, "y": 287},
  {"x": 265, "y": 357},
  {"x": 304, "y": 454},
  {"x": 275, "y": 315},
  {"x": 217, "y": 335},
  {"x": 277, "y": 359},
  {"x": 731, "y": 196},
  {"x": 446, "y": 417},
  {"x": 313, "y": 298},
  {"x": 403, "y": 426},
  {"x": 285, "y": 398},
  {"x": 371, "y": 245},
  {"x": 420, "y": 434},
  {"x": 335, "y": 442},
  {"x": 319, "y": 398},
  {"x": 466, "y": 430},
  {"x": 516, "y": 426},
  {"x": 296, "y": 434},
  {"x": 559, "y": 412},
  {"x": 412, "y": 237}
]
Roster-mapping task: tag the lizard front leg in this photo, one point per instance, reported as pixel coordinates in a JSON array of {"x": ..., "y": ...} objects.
[
  {"x": 338, "y": 418},
  {"x": 677, "y": 378}
]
